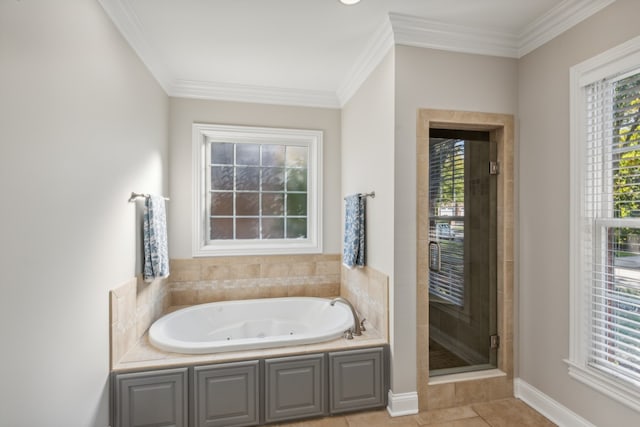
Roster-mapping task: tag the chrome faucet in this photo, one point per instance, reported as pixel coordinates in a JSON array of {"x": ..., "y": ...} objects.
[{"x": 357, "y": 330}]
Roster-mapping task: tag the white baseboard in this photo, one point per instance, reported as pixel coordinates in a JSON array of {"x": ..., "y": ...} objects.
[
  {"x": 402, "y": 404},
  {"x": 559, "y": 414}
]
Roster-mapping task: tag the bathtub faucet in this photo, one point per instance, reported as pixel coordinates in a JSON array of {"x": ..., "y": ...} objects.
[{"x": 357, "y": 330}]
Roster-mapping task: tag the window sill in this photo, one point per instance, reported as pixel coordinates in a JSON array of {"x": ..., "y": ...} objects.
[
  {"x": 607, "y": 385},
  {"x": 293, "y": 248}
]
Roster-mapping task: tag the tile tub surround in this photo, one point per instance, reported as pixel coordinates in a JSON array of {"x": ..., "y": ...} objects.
[
  {"x": 202, "y": 280},
  {"x": 197, "y": 281},
  {"x": 368, "y": 290},
  {"x": 143, "y": 355},
  {"x": 133, "y": 307}
]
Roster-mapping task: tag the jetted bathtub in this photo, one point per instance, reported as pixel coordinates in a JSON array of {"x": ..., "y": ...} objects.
[{"x": 250, "y": 324}]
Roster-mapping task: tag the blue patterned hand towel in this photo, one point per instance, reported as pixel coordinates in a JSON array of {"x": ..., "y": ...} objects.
[
  {"x": 156, "y": 253},
  {"x": 353, "y": 253}
]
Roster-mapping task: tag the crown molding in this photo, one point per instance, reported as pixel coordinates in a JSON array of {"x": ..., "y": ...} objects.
[
  {"x": 425, "y": 33},
  {"x": 419, "y": 32},
  {"x": 253, "y": 93},
  {"x": 375, "y": 51},
  {"x": 397, "y": 29},
  {"x": 127, "y": 22},
  {"x": 556, "y": 21}
]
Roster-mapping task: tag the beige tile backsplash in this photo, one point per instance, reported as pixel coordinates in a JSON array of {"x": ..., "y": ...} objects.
[
  {"x": 135, "y": 304},
  {"x": 196, "y": 281},
  {"x": 368, "y": 290}
]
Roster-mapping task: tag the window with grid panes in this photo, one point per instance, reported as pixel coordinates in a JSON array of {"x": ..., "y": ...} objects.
[
  {"x": 605, "y": 246},
  {"x": 259, "y": 190}
]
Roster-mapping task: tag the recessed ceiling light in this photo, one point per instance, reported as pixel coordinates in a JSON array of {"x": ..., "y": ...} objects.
[{"x": 349, "y": 2}]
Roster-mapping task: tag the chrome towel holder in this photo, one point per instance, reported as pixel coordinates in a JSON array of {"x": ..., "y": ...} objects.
[
  {"x": 371, "y": 194},
  {"x": 134, "y": 196}
]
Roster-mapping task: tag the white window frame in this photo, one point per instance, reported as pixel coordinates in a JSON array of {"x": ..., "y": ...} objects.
[
  {"x": 202, "y": 135},
  {"x": 618, "y": 60}
]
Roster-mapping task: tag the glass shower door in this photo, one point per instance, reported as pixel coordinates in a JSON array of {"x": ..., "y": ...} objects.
[{"x": 462, "y": 252}]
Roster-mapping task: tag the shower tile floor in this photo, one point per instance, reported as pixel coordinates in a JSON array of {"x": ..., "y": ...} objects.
[
  {"x": 500, "y": 413},
  {"x": 441, "y": 358}
]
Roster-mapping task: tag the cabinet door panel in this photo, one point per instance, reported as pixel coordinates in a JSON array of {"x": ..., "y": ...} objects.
[
  {"x": 151, "y": 399},
  {"x": 295, "y": 387},
  {"x": 356, "y": 380},
  {"x": 226, "y": 395}
]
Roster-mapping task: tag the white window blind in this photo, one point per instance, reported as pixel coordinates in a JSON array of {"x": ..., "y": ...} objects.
[
  {"x": 446, "y": 205},
  {"x": 611, "y": 226}
]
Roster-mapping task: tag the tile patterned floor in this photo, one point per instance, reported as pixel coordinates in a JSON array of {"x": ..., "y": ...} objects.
[
  {"x": 441, "y": 358},
  {"x": 500, "y": 413}
]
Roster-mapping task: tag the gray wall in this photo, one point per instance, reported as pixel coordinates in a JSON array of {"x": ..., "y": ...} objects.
[
  {"x": 184, "y": 112},
  {"x": 544, "y": 210},
  {"x": 426, "y": 78},
  {"x": 82, "y": 124}
]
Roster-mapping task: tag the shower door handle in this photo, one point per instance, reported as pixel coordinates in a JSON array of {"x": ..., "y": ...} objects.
[{"x": 434, "y": 256}]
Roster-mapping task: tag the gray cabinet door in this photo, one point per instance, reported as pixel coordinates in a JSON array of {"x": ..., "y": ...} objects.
[
  {"x": 151, "y": 399},
  {"x": 226, "y": 394},
  {"x": 356, "y": 379},
  {"x": 295, "y": 387}
]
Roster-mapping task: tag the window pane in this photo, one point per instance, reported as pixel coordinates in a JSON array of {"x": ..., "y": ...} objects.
[
  {"x": 243, "y": 186},
  {"x": 273, "y": 228},
  {"x": 446, "y": 199},
  {"x": 273, "y": 155},
  {"x": 272, "y": 179},
  {"x": 297, "y": 204},
  {"x": 446, "y": 177},
  {"x": 626, "y": 183},
  {"x": 612, "y": 197},
  {"x": 222, "y": 204},
  {"x": 221, "y": 228},
  {"x": 273, "y": 204},
  {"x": 296, "y": 156},
  {"x": 247, "y": 179},
  {"x": 222, "y": 153},
  {"x": 247, "y": 204},
  {"x": 616, "y": 304},
  {"x": 448, "y": 281},
  {"x": 296, "y": 228},
  {"x": 247, "y": 228},
  {"x": 222, "y": 178},
  {"x": 247, "y": 154},
  {"x": 296, "y": 180}
]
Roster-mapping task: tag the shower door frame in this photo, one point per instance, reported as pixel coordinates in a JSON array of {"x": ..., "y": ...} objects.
[
  {"x": 454, "y": 390},
  {"x": 474, "y": 316}
]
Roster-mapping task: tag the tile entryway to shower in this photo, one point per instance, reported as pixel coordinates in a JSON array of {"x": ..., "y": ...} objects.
[{"x": 464, "y": 274}]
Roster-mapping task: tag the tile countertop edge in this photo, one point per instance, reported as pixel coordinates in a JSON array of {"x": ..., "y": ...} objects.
[{"x": 143, "y": 356}]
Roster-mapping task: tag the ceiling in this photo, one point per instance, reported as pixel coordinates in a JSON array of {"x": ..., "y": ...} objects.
[{"x": 318, "y": 52}]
